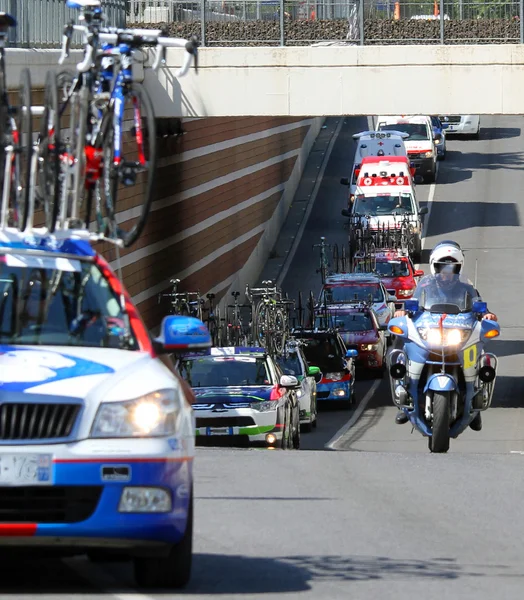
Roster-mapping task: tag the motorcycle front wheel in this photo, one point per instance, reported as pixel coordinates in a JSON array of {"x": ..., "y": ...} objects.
[{"x": 439, "y": 441}]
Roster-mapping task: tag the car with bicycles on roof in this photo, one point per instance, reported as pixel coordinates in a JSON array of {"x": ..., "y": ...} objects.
[
  {"x": 360, "y": 330},
  {"x": 385, "y": 210},
  {"x": 294, "y": 362},
  {"x": 396, "y": 270},
  {"x": 243, "y": 398},
  {"x": 349, "y": 288},
  {"x": 324, "y": 348},
  {"x": 96, "y": 427}
]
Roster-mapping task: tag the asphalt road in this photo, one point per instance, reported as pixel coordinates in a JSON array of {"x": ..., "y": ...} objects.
[{"x": 384, "y": 519}]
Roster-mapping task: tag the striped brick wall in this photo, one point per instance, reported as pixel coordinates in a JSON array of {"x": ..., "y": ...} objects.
[{"x": 223, "y": 190}]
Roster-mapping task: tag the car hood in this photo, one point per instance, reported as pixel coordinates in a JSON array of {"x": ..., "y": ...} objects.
[
  {"x": 78, "y": 372},
  {"x": 232, "y": 395},
  {"x": 397, "y": 282},
  {"x": 359, "y": 337}
]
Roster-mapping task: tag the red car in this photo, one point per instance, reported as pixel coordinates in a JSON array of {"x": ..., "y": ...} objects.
[
  {"x": 398, "y": 274},
  {"x": 359, "y": 328}
]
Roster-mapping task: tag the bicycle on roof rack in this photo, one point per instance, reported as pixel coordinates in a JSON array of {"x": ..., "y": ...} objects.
[
  {"x": 236, "y": 334},
  {"x": 213, "y": 321},
  {"x": 188, "y": 304},
  {"x": 324, "y": 266},
  {"x": 269, "y": 324},
  {"x": 103, "y": 149}
]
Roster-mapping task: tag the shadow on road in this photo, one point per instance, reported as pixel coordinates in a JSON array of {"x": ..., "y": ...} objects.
[
  {"x": 499, "y": 133},
  {"x": 450, "y": 217}
]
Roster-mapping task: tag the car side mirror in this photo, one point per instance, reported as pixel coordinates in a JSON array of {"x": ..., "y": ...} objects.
[
  {"x": 289, "y": 382},
  {"x": 180, "y": 335},
  {"x": 344, "y": 181},
  {"x": 444, "y": 125},
  {"x": 418, "y": 179},
  {"x": 411, "y": 306},
  {"x": 419, "y": 273},
  {"x": 392, "y": 299},
  {"x": 313, "y": 370},
  {"x": 345, "y": 212},
  {"x": 351, "y": 353},
  {"x": 383, "y": 328},
  {"x": 423, "y": 211},
  {"x": 480, "y": 307}
]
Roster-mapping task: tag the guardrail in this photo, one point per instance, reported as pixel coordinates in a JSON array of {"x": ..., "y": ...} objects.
[
  {"x": 326, "y": 22},
  {"x": 40, "y": 23}
]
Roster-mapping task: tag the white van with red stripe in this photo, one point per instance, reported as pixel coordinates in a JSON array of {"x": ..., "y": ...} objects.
[{"x": 420, "y": 144}]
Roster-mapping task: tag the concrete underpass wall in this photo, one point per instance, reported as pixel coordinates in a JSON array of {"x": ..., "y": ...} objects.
[{"x": 223, "y": 191}]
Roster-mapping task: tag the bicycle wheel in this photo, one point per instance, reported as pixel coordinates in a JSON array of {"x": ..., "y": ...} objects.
[
  {"x": 23, "y": 145},
  {"x": 335, "y": 258},
  {"x": 279, "y": 331},
  {"x": 311, "y": 309},
  {"x": 299, "y": 310},
  {"x": 49, "y": 154},
  {"x": 259, "y": 325},
  {"x": 136, "y": 164}
]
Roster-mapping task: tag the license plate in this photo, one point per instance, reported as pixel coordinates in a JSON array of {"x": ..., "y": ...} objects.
[
  {"x": 26, "y": 469},
  {"x": 219, "y": 431}
]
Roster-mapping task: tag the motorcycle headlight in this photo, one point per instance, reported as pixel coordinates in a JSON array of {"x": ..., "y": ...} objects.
[
  {"x": 300, "y": 393},
  {"x": 152, "y": 415},
  {"x": 334, "y": 376},
  {"x": 452, "y": 337}
]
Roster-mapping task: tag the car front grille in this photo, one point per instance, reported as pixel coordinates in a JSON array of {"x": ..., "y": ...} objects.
[
  {"x": 414, "y": 155},
  {"x": 48, "y": 504},
  {"x": 31, "y": 421},
  {"x": 225, "y": 421},
  {"x": 392, "y": 292},
  {"x": 321, "y": 395}
]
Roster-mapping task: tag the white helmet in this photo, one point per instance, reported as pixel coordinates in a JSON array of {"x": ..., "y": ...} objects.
[{"x": 445, "y": 253}]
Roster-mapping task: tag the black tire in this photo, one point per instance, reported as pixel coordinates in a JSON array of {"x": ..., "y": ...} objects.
[
  {"x": 23, "y": 151},
  {"x": 173, "y": 571},
  {"x": 306, "y": 427},
  {"x": 49, "y": 153},
  {"x": 439, "y": 441},
  {"x": 113, "y": 176},
  {"x": 432, "y": 176}
]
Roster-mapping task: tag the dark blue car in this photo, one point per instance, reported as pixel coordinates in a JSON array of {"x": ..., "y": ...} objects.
[{"x": 440, "y": 136}]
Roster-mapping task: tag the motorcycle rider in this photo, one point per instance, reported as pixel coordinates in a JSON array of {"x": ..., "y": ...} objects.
[{"x": 445, "y": 262}]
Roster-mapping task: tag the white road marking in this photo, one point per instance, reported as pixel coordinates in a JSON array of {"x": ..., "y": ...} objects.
[
  {"x": 354, "y": 417},
  {"x": 96, "y": 574},
  {"x": 516, "y": 451},
  {"x": 431, "y": 195},
  {"x": 309, "y": 208}
]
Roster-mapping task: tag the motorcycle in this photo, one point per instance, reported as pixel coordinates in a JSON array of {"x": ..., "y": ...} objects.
[{"x": 442, "y": 377}]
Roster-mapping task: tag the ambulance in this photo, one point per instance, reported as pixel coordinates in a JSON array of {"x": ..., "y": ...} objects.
[
  {"x": 420, "y": 144},
  {"x": 385, "y": 198},
  {"x": 375, "y": 143}
]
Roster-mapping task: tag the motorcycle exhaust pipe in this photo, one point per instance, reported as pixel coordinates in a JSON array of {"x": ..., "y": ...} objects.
[{"x": 398, "y": 360}]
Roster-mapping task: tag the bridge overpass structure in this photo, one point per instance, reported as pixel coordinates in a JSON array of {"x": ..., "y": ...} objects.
[{"x": 325, "y": 80}]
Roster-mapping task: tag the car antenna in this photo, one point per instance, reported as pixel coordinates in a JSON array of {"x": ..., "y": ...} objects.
[{"x": 126, "y": 337}]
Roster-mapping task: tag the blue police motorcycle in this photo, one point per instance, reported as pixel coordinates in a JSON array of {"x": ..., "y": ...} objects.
[{"x": 442, "y": 376}]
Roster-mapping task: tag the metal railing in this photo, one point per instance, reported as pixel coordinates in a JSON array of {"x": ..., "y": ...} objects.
[
  {"x": 306, "y": 22},
  {"x": 40, "y": 23},
  {"x": 287, "y": 22}
]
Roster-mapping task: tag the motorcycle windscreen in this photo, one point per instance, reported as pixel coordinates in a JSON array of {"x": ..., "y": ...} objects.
[{"x": 446, "y": 292}]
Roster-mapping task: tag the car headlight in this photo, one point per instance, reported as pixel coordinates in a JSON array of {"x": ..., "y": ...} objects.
[
  {"x": 452, "y": 337},
  {"x": 152, "y": 415},
  {"x": 265, "y": 406},
  {"x": 428, "y": 154},
  {"x": 334, "y": 376},
  {"x": 405, "y": 293},
  {"x": 369, "y": 347}
]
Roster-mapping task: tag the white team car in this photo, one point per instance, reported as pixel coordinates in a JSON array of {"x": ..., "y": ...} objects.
[
  {"x": 96, "y": 433},
  {"x": 294, "y": 362},
  {"x": 462, "y": 125}
]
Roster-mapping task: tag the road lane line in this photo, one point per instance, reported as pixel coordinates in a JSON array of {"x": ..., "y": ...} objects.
[
  {"x": 431, "y": 195},
  {"x": 354, "y": 417},
  {"x": 316, "y": 188},
  {"x": 98, "y": 576}
]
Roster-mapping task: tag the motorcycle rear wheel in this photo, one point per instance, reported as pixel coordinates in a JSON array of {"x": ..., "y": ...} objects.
[{"x": 439, "y": 441}]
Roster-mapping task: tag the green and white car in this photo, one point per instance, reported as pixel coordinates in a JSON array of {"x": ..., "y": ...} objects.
[{"x": 294, "y": 362}]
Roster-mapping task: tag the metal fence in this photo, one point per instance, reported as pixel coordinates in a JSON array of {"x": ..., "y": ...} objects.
[
  {"x": 288, "y": 22},
  {"x": 40, "y": 23},
  {"x": 306, "y": 22}
]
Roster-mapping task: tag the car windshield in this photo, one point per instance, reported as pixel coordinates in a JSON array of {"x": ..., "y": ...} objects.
[
  {"x": 446, "y": 288},
  {"x": 353, "y": 322},
  {"x": 291, "y": 365},
  {"x": 353, "y": 292},
  {"x": 324, "y": 353},
  {"x": 70, "y": 303},
  {"x": 225, "y": 371},
  {"x": 416, "y": 131},
  {"x": 392, "y": 268},
  {"x": 386, "y": 204}
]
